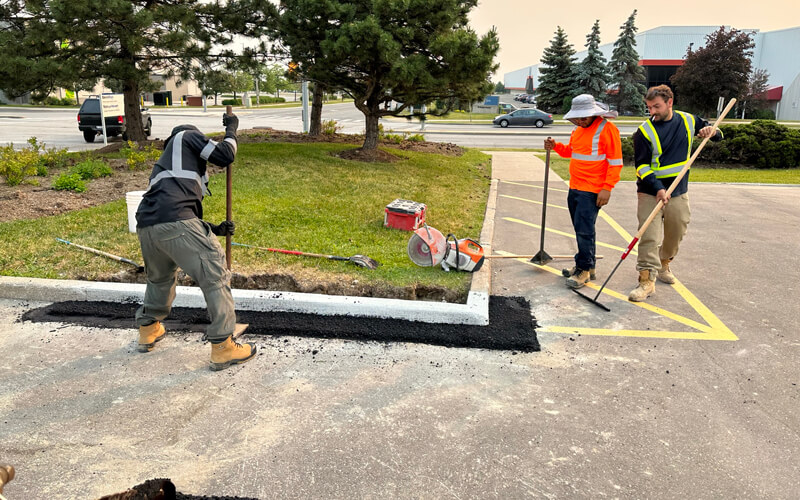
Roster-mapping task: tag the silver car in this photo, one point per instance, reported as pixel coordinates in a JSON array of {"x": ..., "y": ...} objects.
[{"x": 524, "y": 116}]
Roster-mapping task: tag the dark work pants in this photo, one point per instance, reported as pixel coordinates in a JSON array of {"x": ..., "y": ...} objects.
[{"x": 583, "y": 210}]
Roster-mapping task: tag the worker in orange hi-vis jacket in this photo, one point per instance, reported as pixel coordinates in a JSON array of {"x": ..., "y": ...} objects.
[{"x": 595, "y": 154}]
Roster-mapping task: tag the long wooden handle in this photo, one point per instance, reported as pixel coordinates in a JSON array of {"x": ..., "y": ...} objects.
[
  {"x": 678, "y": 178},
  {"x": 228, "y": 202}
]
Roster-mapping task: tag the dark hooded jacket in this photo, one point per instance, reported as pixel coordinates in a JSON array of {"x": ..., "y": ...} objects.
[{"x": 179, "y": 180}]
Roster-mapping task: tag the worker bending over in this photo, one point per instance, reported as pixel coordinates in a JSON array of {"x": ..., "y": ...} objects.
[
  {"x": 662, "y": 146},
  {"x": 172, "y": 234},
  {"x": 595, "y": 154}
]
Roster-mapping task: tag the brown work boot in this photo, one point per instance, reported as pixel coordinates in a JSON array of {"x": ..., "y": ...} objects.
[
  {"x": 149, "y": 335},
  {"x": 664, "y": 274},
  {"x": 229, "y": 353},
  {"x": 647, "y": 286},
  {"x": 578, "y": 278},
  {"x": 569, "y": 272}
]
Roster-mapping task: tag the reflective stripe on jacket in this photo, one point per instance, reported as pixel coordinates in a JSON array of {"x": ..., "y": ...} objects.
[
  {"x": 595, "y": 154},
  {"x": 655, "y": 167}
]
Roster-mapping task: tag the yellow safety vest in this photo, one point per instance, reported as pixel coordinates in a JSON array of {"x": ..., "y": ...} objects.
[{"x": 655, "y": 167}]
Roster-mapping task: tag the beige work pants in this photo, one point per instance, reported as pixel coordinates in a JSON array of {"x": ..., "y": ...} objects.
[{"x": 663, "y": 236}]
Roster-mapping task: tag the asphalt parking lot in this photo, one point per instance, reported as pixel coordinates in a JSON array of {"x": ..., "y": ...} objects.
[{"x": 694, "y": 395}]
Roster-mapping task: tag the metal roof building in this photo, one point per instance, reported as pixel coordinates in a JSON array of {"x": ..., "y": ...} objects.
[{"x": 662, "y": 50}]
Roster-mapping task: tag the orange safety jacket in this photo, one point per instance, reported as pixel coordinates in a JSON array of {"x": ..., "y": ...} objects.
[{"x": 595, "y": 154}]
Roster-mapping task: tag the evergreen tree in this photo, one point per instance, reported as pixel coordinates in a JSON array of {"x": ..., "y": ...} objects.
[
  {"x": 52, "y": 43},
  {"x": 720, "y": 69},
  {"x": 626, "y": 74},
  {"x": 499, "y": 88},
  {"x": 409, "y": 51},
  {"x": 557, "y": 80},
  {"x": 592, "y": 71}
]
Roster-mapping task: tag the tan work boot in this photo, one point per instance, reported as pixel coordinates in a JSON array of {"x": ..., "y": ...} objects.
[
  {"x": 647, "y": 286},
  {"x": 568, "y": 272},
  {"x": 149, "y": 335},
  {"x": 578, "y": 278},
  {"x": 230, "y": 353},
  {"x": 664, "y": 274}
]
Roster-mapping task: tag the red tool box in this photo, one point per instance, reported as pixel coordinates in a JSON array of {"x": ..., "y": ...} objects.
[{"x": 404, "y": 214}]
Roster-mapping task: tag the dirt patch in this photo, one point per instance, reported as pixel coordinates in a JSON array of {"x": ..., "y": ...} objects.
[
  {"x": 309, "y": 284},
  {"x": 511, "y": 325},
  {"x": 369, "y": 156}
]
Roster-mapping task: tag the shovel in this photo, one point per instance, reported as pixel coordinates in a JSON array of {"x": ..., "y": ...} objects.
[
  {"x": 541, "y": 258},
  {"x": 359, "y": 260},
  {"x": 139, "y": 268},
  {"x": 658, "y": 207}
]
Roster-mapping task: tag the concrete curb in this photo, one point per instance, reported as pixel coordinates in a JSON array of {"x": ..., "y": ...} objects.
[{"x": 474, "y": 312}]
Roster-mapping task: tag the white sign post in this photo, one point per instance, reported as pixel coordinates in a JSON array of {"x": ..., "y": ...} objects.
[{"x": 110, "y": 105}]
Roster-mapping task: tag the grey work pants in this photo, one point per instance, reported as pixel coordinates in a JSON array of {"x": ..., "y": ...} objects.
[
  {"x": 190, "y": 245},
  {"x": 672, "y": 222}
]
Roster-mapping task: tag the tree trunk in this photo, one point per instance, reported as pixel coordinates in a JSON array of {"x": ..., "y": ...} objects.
[
  {"x": 371, "y": 136},
  {"x": 133, "y": 113},
  {"x": 315, "y": 128}
]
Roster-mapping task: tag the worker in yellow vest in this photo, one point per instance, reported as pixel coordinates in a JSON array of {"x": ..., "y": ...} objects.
[{"x": 662, "y": 146}]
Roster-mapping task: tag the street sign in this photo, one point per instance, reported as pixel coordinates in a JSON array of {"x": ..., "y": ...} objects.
[{"x": 110, "y": 105}]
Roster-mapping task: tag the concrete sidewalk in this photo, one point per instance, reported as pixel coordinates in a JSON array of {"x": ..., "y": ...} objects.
[{"x": 687, "y": 398}]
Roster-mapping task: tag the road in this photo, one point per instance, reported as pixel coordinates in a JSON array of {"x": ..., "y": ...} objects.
[{"x": 58, "y": 127}]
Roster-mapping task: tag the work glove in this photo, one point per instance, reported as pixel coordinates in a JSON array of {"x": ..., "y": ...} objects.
[
  {"x": 225, "y": 228},
  {"x": 231, "y": 124}
]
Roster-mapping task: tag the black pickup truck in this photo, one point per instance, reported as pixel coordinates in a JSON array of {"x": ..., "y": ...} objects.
[{"x": 89, "y": 121}]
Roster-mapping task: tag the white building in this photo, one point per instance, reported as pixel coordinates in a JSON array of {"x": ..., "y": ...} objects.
[{"x": 662, "y": 51}]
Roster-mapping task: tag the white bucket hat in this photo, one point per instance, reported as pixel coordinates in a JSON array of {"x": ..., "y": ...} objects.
[{"x": 584, "y": 106}]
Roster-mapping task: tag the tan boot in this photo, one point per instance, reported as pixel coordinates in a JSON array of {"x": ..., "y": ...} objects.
[
  {"x": 230, "y": 353},
  {"x": 149, "y": 335},
  {"x": 568, "y": 272},
  {"x": 578, "y": 278},
  {"x": 664, "y": 274},
  {"x": 646, "y": 288}
]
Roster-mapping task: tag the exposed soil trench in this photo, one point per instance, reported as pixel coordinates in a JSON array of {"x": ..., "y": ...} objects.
[{"x": 511, "y": 324}]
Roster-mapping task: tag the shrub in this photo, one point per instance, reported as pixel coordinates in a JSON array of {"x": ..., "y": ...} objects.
[
  {"x": 231, "y": 102},
  {"x": 54, "y": 158},
  {"x": 69, "y": 182},
  {"x": 395, "y": 138},
  {"x": 91, "y": 169},
  {"x": 760, "y": 114},
  {"x": 762, "y": 144},
  {"x": 331, "y": 127},
  {"x": 267, "y": 99},
  {"x": 139, "y": 158},
  {"x": 627, "y": 149},
  {"x": 17, "y": 166},
  {"x": 416, "y": 138}
]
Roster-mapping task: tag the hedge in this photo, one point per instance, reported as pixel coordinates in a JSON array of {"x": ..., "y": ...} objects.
[
  {"x": 760, "y": 144},
  {"x": 265, "y": 99}
]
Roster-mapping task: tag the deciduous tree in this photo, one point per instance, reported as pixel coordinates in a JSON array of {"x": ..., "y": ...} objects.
[{"x": 721, "y": 68}]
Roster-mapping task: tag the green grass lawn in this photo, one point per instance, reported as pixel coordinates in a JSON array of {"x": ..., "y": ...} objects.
[
  {"x": 291, "y": 196},
  {"x": 702, "y": 174}
]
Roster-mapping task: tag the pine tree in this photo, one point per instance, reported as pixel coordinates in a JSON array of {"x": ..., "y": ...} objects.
[
  {"x": 557, "y": 75},
  {"x": 719, "y": 69},
  {"x": 408, "y": 51},
  {"x": 626, "y": 74},
  {"x": 592, "y": 71},
  {"x": 51, "y": 43}
]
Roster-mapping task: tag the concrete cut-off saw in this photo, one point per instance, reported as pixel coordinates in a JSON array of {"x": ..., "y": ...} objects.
[{"x": 428, "y": 247}]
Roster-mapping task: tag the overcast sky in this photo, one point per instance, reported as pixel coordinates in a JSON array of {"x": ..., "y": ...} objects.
[{"x": 525, "y": 28}]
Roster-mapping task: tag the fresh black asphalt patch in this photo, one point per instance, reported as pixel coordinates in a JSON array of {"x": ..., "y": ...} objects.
[{"x": 511, "y": 324}]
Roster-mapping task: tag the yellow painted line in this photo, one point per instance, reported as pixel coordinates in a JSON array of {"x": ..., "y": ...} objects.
[
  {"x": 535, "y": 186},
  {"x": 636, "y": 333},
  {"x": 643, "y": 305},
  {"x": 532, "y": 201},
  {"x": 616, "y": 227},
  {"x": 710, "y": 318},
  {"x": 562, "y": 233}
]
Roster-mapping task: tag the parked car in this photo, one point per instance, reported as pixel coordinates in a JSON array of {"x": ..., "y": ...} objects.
[
  {"x": 89, "y": 121},
  {"x": 507, "y": 108},
  {"x": 525, "y": 116},
  {"x": 530, "y": 99}
]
